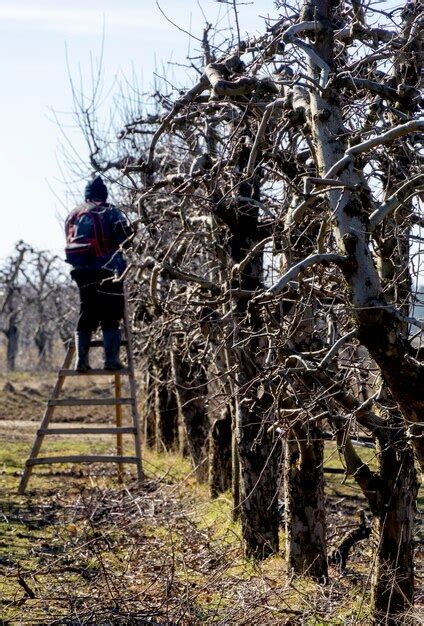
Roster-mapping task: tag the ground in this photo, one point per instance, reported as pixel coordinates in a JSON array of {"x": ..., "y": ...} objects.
[{"x": 79, "y": 548}]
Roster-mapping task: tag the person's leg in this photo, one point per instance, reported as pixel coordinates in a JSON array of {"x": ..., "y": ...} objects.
[
  {"x": 88, "y": 321},
  {"x": 112, "y": 311}
]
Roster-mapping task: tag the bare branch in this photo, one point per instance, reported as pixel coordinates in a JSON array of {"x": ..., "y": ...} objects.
[
  {"x": 380, "y": 140},
  {"x": 289, "y": 36},
  {"x": 293, "y": 272},
  {"x": 406, "y": 192},
  {"x": 336, "y": 347}
]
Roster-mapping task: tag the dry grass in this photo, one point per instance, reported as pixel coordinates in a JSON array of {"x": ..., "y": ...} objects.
[{"x": 81, "y": 549}]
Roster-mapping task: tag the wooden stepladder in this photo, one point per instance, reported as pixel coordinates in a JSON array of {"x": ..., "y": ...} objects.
[{"x": 117, "y": 401}]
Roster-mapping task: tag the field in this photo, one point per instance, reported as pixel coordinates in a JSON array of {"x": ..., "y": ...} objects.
[{"x": 79, "y": 548}]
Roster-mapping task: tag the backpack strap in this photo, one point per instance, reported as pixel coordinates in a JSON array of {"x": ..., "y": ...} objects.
[{"x": 72, "y": 221}]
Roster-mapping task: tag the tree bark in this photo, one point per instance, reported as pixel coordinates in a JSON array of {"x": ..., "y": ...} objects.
[
  {"x": 393, "y": 573},
  {"x": 43, "y": 341},
  {"x": 167, "y": 417},
  {"x": 149, "y": 413},
  {"x": 259, "y": 460},
  {"x": 220, "y": 416},
  {"x": 305, "y": 519},
  {"x": 191, "y": 388},
  {"x": 12, "y": 336},
  {"x": 220, "y": 477},
  {"x": 305, "y": 514},
  {"x": 166, "y": 409},
  {"x": 235, "y": 468}
]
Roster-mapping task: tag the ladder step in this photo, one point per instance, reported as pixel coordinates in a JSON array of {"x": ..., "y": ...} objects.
[
  {"x": 99, "y": 372},
  {"x": 99, "y": 430},
  {"x": 82, "y": 459},
  {"x": 90, "y": 401}
]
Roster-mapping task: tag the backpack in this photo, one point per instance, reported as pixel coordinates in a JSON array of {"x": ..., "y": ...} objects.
[{"x": 86, "y": 241}]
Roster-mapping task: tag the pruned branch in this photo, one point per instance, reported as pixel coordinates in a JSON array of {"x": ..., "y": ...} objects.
[
  {"x": 409, "y": 189},
  {"x": 293, "y": 272},
  {"x": 221, "y": 87},
  {"x": 289, "y": 36},
  {"x": 380, "y": 140}
]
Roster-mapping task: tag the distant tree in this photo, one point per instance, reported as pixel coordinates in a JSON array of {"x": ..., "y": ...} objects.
[
  {"x": 38, "y": 302},
  {"x": 47, "y": 291},
  {"x": 12, "y": 303}
]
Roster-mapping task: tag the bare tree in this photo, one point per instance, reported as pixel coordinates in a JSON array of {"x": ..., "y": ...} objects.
[
  {"x": 38, "y": 303},
  {"x": 12, "y": 305},
  {"x": 44, "y": 277},
  {"x": 278, "y": 194}
]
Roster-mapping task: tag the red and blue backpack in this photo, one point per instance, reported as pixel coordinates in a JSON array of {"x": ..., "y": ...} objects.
[{"x": 89, "y": 234}]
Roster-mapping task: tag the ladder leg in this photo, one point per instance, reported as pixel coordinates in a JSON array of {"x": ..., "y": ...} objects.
[
  {"x": 118, "y": 414},
  {"x": 54, "y": 401},
  {"x": 133, "y": 390},
  {"x": 45, "y": 421}
]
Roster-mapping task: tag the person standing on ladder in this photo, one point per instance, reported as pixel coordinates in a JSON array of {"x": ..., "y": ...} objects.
[{"x": 95, "y": 233}]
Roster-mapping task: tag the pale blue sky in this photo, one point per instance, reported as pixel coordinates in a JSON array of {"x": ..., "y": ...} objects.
[{"x": 34, "y": 80}]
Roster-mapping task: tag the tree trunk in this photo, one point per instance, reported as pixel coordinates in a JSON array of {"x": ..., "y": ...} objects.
[
  {"x": 166, "y": 410},
  {"x": 306, "y": 549},
  {"x": 393, "y": 572},
  {"x": 235, "y": 468},
  {"x": 256, "y": 450},
  {"x": 12, "y": 336},
  {"x": 259, "y": 460},
  {"x": 305, "y": 514},
  {"x": 220, "y": 454},
  {"x": 43, "y": 342},
  {"x": 220, "y": 410},
  {"x": 191, "y": 387},
  {"x": 149, "y": 414}
]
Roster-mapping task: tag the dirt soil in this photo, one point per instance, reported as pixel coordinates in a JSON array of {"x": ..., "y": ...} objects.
[{"x": 23, "y": 398}]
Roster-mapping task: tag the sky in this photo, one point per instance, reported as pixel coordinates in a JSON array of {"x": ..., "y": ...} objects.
[{"x": 42, "y": 44}]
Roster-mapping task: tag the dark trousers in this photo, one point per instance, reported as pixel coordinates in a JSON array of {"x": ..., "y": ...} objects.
[{"x": 101, "y": 300}]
